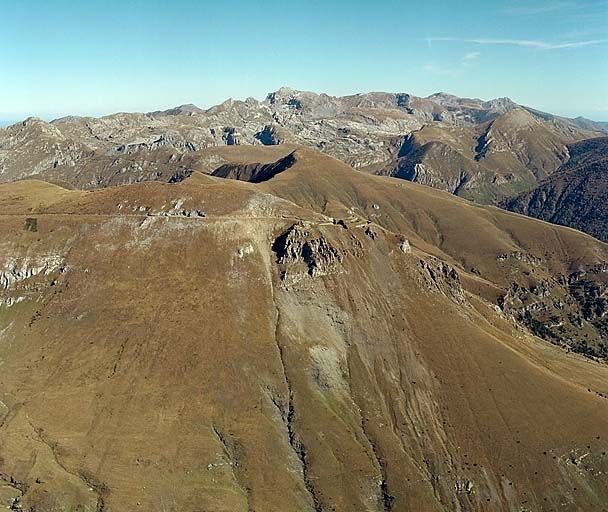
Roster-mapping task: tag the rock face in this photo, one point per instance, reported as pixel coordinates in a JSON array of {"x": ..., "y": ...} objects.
[
  {"x": 302, "y": 253},
  {"x": 571, "y": 310},
  {"x": 24, "y": 278},
  {"x": 405, "y": 246},
  {"x": 269, "y": 135},
  {"x": 14, "y": 271},
  {"x": 443, "y": 277},
  {"x": 483, "y": 150},
  {"x": 254, "y": 173},
  {"x": 576, "y": 194}
]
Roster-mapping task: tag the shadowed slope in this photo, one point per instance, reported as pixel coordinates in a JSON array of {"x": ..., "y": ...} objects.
[
  {"x": 254, "y": 173},
  {"x": 576, "y": 194}
]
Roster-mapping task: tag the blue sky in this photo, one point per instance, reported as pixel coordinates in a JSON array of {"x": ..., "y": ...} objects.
[{"x": 95, "y": 57}]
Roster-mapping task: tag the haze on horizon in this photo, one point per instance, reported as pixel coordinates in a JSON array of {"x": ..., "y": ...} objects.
[{"x": 97, "y": 58}]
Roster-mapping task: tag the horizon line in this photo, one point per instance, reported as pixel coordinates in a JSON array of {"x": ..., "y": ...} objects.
[{"x": 9, "y": 119}]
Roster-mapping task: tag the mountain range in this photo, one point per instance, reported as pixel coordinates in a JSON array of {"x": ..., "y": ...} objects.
[
  {"x": 477, "y": 149},
  {"x": 485, "y": 151}
]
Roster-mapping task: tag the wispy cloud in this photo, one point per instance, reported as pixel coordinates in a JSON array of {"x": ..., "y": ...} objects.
[
  {"x": 437, "y": 69},
  {"x": 467, "y": 61},
  {"x": 471, "y": 56},
  {"x": 546, "y": 8},
  {"x": 535, "y": 44},
  {"x": 560, "y": 8}
]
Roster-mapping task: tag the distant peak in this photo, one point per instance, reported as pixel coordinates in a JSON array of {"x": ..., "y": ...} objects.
[
  {"x": 442, "y": 94},
  {"x": 286, "y": 89},
  {"x": 501, "y": 105},
  {"x": 188, "y": 106},
  {"x": 32, "y": 120},
  {"x": 187, "y": 109},
  {"x": 503, "y": 101},
  {"x": 281, "y": 94}
]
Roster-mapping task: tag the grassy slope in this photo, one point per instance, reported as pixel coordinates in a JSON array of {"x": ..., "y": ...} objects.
[{"x": 170, "y": 368}]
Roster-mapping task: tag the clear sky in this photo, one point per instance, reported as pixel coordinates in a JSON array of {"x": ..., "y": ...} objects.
[{"x": 95, "y": 57}]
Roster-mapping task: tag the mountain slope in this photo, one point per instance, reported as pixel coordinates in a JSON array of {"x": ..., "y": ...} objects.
[
  {"x": 488, "y": 161},
  {"x": 575, "y": 195},
  {"x": 323, "y": 340}
]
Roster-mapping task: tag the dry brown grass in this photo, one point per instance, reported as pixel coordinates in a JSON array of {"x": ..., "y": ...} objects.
[{"x": 170, "y": 368}]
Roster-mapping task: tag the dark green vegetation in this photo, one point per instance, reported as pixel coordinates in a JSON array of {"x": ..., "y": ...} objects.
[{"x": 576, "y": 194}]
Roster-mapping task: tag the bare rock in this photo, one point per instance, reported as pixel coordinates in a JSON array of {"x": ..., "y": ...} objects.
[
  {"x": 405, "y": 246},
  {"x": 303, "y": 253}
]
